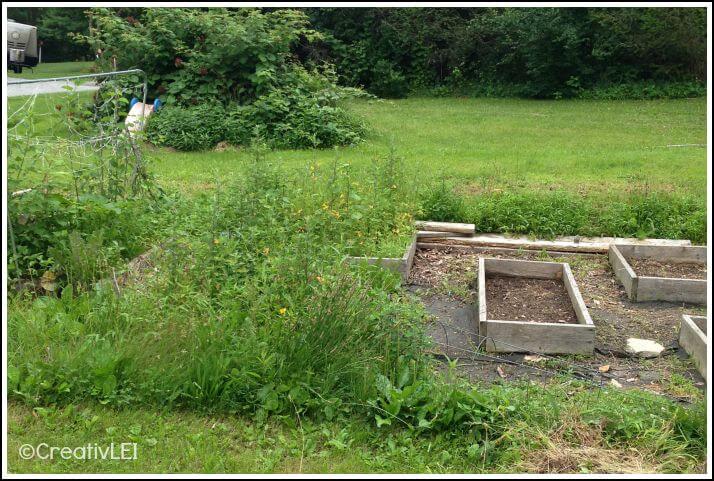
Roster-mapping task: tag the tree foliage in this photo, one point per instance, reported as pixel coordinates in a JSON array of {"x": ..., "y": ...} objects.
[{"x": 533, "y": 52}]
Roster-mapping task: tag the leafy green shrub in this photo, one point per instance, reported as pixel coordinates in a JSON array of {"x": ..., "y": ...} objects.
[
  {"x": 199, "y": 127},
  {"x": 276, "y": 323},
  {"x": 645, "y": 90},
  {"x": 529, "y": 52},
  {"x": 430, "y": 405},
  {"x": 441, "y": 203},
  {"x": 241, "y": 59},
  {"x": 302, "y": 121},
  {"x": 46, "y": 226},
  {"x": 655, "y": 214},
  {"x": 547, "y": 214},
  {"x": 65, "y": 190},
  {"x": 285, "y": 117},
  {"x": 83, "y": 261},
  {"x": 540, "y": 214}
]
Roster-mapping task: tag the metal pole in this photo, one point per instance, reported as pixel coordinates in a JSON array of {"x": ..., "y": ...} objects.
[
  {"x": 88, "y": 75},
  {"x": 143, "y": 106}
]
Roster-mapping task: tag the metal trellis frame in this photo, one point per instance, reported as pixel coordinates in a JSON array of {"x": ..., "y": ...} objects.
[{"x": 145, "y": 85}]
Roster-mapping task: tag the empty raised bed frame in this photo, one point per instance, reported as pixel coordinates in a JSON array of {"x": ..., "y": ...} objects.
[
  {"x": 402, "y": 265},
  {"x": 531, "y": 336},
  {"x": 693, "y": 339},
  {"x": 651, "y": 288}
]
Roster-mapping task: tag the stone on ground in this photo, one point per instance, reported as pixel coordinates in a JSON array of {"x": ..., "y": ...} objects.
[{"x": 645, "y": 348}]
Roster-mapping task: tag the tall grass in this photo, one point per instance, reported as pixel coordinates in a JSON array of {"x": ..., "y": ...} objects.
[
  {"x": 251, "y": 307},
  {"x": 639, "y": 213}
]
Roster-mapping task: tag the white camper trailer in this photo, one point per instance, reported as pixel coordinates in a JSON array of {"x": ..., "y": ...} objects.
[{"x": 21, "y": 46}]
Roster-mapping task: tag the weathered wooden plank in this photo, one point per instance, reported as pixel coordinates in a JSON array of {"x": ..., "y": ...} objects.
[
  {"x": 402, "y": 265},
  {"x": 581, "y": 311},
  {"x": 563, "y": 244},
  {"x": 694, "y": 340},
  {"x": 550, "y": 338},
  {"x": 521, "y": 268},
  {"x": 495, "y": 250},
  {"x": 666, "y": 253},
  {"x": 623, "y": 271},
  {"x": 408, "y": 258},
  {"x": 425, "y": 234},
  {"x": 670, "y": 289},
  {"x": 456, "y": 227},
  {"x": 482, "y": 314}
]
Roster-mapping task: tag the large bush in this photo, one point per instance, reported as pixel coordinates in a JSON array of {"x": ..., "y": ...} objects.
[
  {"x": 241, "y": 63},
  {"x": 285, "y": 117}
]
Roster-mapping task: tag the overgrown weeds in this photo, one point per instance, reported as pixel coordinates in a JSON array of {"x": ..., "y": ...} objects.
[
  {"x": 639, "y": 213},
  {"x": 251, "y": 308}
]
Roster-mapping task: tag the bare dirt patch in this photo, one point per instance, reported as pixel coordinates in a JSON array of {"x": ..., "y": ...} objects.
[
  {"x": 680, "y": 270},
  {"x": 525, "y": 299}
]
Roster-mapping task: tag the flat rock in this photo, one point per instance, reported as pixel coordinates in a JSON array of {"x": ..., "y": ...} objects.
[{"x": 645, "y": 348}]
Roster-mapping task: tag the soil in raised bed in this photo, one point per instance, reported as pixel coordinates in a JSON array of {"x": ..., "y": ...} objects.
[
  {"x": 527, "y": 299},
  {"x": 680, "y": 270}
]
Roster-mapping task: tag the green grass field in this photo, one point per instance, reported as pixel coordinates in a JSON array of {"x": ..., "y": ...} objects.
[
  {"x": 490, "y": 144},
  {"x": 181, "y": 441},
  {"x": 50, "y": 69},
  {"x": 580, "y": 146}
]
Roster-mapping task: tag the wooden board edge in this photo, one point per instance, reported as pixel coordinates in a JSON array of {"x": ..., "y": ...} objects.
[
  {"x": 482, "y": 308},
  {"x": 623, "y": 272},
  {"x": 581, "y": 310}
]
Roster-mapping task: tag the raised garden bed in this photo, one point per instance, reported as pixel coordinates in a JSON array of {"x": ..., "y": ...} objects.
[
  {"x": 693, "y": 339},
  {"x": 402, "y": 264},
  {"x": 661, "y": 273},
  {"x": 531, "y": 306}
]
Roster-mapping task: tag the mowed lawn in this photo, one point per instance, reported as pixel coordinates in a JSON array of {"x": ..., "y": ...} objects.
[
  {"x": 604, "y": 147},
  {"x": 577, "y": 145},
  {"x": 53, "y": 69}
]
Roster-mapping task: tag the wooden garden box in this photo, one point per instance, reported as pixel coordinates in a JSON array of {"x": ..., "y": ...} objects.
[
  {"x": 693, "y": 339},
  {"x": 402, "y": 265},
  {"x": 646, "y": 288},
  {"x": 528, "y": 336}
]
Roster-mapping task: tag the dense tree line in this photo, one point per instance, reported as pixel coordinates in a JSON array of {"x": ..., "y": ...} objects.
[{"x": 531, "y": 52}]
